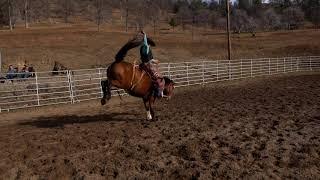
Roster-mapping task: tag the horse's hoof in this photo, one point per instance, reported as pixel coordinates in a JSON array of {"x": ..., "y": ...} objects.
[{"x": 103, "y": 102}]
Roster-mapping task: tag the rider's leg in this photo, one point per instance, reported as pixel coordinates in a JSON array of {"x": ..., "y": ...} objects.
[{"x": 159, "y": 88}]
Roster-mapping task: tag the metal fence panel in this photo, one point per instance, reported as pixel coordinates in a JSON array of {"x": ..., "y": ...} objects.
[{"x": 75, "y": 86}]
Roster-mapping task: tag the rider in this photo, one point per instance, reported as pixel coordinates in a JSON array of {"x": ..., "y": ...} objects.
[{"x": 151, "y": 65}]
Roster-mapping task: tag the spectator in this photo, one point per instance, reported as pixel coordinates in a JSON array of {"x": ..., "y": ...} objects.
[
  {"x": 25, "y": 72},
  {"x": 11, "y": 72}
]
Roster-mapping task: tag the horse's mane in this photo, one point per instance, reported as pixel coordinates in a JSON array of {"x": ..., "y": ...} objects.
[{"x": 137, "y": 41}]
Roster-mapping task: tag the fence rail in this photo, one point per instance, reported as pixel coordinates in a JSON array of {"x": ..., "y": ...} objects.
[{"x": 82, "y": 85}]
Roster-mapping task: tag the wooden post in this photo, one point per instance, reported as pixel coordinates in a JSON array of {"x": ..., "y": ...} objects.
[
  {"x": 37, "y": 85},
  {"x": 203, "y": 74},
  {"x": 217, "y": 70},
  {"x": 251, "y": 68},
  {"x": 241, "y": 68},
  {"x": 0, "y": 63},
  {"x": 169, "y": 74},
  {"x": 228, "y": 35},
  {"x": 188, "y": 74},
  {"x": 228, "y": 29},
  {"x": 100, "y": 80},
  {"x": 269, "y": 66},
  {"x": 310, "y": 64}
]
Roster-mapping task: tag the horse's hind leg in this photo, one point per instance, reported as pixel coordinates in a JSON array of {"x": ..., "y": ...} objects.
[{"x": 106, "y": 89}]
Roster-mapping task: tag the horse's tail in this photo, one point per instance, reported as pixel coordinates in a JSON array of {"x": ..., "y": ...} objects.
[
  {"x": 106, "y": 89},
  {"x": 137, "y": 41}
]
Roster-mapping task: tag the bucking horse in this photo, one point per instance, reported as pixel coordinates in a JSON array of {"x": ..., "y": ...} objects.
[{"x": 133, "y": 79}]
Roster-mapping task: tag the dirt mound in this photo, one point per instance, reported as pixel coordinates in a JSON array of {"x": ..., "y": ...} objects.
[{"x": 266, "y": 128}]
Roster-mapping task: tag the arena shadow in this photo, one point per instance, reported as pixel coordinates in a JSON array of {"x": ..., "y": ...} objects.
[{"x": 60, "y": 121}]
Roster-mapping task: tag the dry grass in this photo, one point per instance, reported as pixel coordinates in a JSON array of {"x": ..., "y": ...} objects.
[{"x": 78, "y": 46}]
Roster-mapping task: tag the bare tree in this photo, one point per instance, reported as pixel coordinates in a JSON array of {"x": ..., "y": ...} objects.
[
  {"x": 293, "y": 17},
  {"x": 26, "y": 7},
  {"x": 101, "y": 12},
  {"x": 270, "y": 19},
  {"x": 203, "y": 17},
  {"x": 185, "y": 16},
  {"x": 239, "y": 20},
  {"x": 10, "y": 14},
  {"x": 153, "y": 12},
  {"x": 67, "y": 8},
  {"x": 124, "y": 10},
  {"x": 213, "y": 19},
  {"x": 242, "y": 22}
]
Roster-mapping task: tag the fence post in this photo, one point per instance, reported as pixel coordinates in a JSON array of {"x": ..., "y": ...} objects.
[
  {"x": 217, "y": 70},
  {"x": 291, "y": 63},
  {"x": 297, "y": 59},
  {"x": 0, "y": 66},
  {"x": 100, "y": 79},
  {"x": 188, "y": 74},
  {"x": 284, "y": 64},
  {"x": 203, "y": 80},
  {"x": 277, "y": 65},
  {"x": 251, "y": 68},
  {"x": 310, "y": 63},
  {"x": 37, "y": 86},
  {"x": 241, "y": 69},
  {"x": 269, "y": 66},
  {"x": 70, "y": 86},
  {"x": 169, "y": 74},
  {"x": 229, "y": 64}
]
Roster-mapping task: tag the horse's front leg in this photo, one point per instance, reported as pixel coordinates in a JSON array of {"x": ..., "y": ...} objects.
[
  {"x": 149, "y": 110},
  {"x": 151, "y": 103},
  {"x": 106, "y": 89}
]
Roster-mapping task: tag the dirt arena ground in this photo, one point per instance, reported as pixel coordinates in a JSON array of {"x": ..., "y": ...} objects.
[{"x": 264, "y": 128}]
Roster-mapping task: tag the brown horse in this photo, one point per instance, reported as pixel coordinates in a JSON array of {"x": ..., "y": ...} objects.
[{"x": 133, "y": 79}]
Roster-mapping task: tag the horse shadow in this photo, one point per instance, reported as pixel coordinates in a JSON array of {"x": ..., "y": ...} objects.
[{"x": 61, "y": 121}]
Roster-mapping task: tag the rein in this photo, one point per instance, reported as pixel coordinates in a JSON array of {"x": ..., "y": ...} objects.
[{"x": 133, "y": 85}]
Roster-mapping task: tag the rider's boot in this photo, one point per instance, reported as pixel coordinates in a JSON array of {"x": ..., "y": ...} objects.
[{"x": 160, "y": 92}]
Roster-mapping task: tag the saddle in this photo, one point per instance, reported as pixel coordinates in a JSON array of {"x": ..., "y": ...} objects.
[{"x": 157, "y": 82}]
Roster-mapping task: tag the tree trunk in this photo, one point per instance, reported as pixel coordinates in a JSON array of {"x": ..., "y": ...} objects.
[
  {"x": 67, "y": 11},
  {"x": 9, "y": 13},
  {"x": 26, "y": 14},
  {"x": 127, "y": 15},
  {"x": 120, "y": 7},
  {"x": 48, "y": 15},
  {"x": 192, "y": 35},
  {"x": 192, "y": 27},
  {"x": 154, "y": 27}
]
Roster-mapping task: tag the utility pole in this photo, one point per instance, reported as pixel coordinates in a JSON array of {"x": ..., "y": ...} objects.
[
  {"x": 0, "y": 64},
  {"x": 228, "y": 28}
]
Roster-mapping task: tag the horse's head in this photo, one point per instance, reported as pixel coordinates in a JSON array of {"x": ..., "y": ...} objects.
[{"x": 168, "y": 87}]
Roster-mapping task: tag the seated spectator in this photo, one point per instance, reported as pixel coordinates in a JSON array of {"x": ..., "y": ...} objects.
[
  {"x": 32, "y": 71},
  {"x": 16, "y": 72},
  {"x": 25, "y": 72},
  {"x": 11, "y": 72}
]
